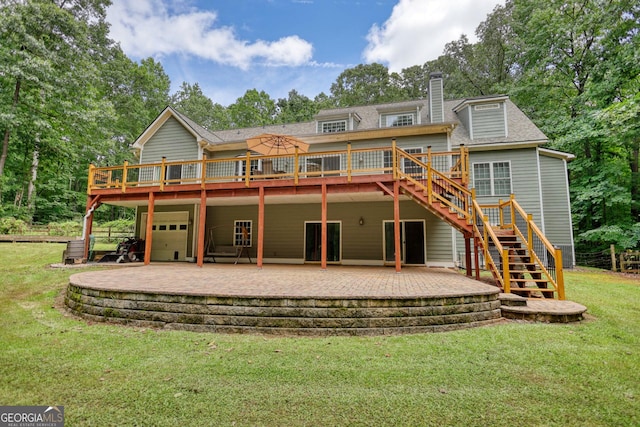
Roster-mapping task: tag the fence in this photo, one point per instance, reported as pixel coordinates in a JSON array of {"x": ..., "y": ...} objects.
[
  {"x": 43, "y": 233},
  {"x": 625, "y": 261}
]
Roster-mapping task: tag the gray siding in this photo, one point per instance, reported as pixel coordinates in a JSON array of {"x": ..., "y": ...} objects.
[
  {"x": 488, "y": 123},
  {"x": 172, "y": 141},
  {"x": 436, "y": 100},
  {"x": 284, "y": 228},
  {"x": 557, "y": 208},
  {"x": 463, "y": 116},
  {"x": 524, "y": 178}
]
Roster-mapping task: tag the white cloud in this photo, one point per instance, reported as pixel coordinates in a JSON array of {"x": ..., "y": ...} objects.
[
  {"x": 418, "y": 30},
  {"x": 147, "y": 28}
]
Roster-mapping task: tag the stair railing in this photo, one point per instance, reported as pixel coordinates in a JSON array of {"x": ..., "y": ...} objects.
[
  {"x": 437, "y": 186},
  {"x": 485, "y": 234},
  {"x": 547, "y": 257}
]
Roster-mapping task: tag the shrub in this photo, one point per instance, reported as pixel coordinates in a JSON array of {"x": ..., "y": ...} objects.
[
  {"x": 10, "y": 225},
  {"x": 68, "y": 228}
]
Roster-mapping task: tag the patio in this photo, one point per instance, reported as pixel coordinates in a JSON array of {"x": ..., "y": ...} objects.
[{"x": 284, "y": 299}]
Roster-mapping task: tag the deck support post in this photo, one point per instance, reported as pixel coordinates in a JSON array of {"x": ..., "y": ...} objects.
[
  {"x": 477, "y": 257},
  {"x": 88, "y": 226},
  {"x": 148, "y": 235},
  {"x": 202, "y": 224},
  {"x": 396, "y": 225},
  {"x": 323, "y": 244},
  {"x": 260, "y": 227},
  {"x": 467, "y": 253}
]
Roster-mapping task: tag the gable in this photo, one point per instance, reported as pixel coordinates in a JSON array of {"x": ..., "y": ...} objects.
[{"x": 172, "y": 141}]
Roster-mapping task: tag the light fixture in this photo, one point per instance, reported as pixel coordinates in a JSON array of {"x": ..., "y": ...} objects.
[{"x": 361, "y": 221}]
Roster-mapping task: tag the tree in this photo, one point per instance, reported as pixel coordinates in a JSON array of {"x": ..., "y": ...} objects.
[
  {"x": 190, "y": 101},
  {"x": 296, "y": 108},
  {"x": 48, "y": 57},
  {"x": 577, "y": 63},
  {"x": 365, "y": 84},
  {"x": 252, "y": 109}
]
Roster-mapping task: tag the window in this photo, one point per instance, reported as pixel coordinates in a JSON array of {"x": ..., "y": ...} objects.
[
  {"x": 392, "y": 120},
  {"x": 242, "y": 233},
  {"x": 492, "y": 178},
  {"x": 333, "y": 126}
]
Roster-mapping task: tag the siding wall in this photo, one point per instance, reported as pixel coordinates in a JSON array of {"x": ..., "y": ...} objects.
[
  {"x": 488, "y": 123},
  {"x": 557, "y": 208},
  {"x": 284, "y": 228},
  {"x": 172, "y": 141},
  {"x": 436, "y": 100}
]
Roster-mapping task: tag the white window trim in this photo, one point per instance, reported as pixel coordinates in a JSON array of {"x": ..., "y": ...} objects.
[
  {"x": 491, "y": 177},
  {"x": 382, "y": 121},
  {"x": 249, "y": 232},
  {"x": 325, "y": 122}
]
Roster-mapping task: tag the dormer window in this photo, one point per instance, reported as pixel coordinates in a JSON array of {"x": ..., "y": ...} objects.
[
  {"x": 401, "y": 119},
  {"x": 332, "y": 126}
]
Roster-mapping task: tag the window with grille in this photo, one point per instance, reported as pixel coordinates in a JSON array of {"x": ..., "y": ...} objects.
[
  {"x": 492, "y": 178},
  {"x": 333, "y": 126},
  {"x": 242, "y": 233},
  {"x": 392, "y": 120}
]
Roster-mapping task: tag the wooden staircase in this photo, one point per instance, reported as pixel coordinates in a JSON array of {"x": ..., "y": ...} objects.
[
  {"x": 508, "y": 247},
  {"x": 525, "y": 277}
]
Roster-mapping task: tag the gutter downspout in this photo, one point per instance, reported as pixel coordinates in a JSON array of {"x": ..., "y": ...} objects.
[{"x": 84, "y": 221}]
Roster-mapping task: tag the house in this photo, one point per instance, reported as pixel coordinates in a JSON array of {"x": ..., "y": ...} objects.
[{"x": 438, "y": 182}]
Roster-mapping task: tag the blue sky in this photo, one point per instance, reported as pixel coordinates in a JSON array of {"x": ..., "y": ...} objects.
[{"x": 231, "y": 46}]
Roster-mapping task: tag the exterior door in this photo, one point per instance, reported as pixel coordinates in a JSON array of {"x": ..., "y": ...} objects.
[
  {"x": 412, "y": 242},
  {"x": 313, "y": 242}
]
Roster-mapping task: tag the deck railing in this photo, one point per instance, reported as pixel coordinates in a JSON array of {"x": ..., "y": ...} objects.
[
  {"x": 509, "y": 215},
  {"x": 250, "y": 167}
]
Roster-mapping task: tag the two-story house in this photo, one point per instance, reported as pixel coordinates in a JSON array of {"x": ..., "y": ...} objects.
[{"x": 407, "y": 183}]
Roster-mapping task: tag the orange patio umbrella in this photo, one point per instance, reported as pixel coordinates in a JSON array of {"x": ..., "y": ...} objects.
[{"x": 272, "y": 144}]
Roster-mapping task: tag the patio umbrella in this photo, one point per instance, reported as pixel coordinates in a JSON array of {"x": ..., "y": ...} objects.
[{"x": 271, "y": 144}]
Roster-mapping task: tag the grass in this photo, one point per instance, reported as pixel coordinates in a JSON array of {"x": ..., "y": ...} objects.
[{"x": 585, "y": 374}]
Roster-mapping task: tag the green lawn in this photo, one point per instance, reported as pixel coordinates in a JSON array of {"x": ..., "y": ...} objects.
[{"x": 512, "y": 374}]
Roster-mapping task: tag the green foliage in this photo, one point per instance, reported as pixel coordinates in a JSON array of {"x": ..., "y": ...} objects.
[
  {"x": 625, "y": 237},
  {"x": 68, "y": 228},
  {"x": 11, "y": 225},
  {"x": 119, "y": 225}
]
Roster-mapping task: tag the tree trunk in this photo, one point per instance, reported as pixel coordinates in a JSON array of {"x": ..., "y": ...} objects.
[
  {"x": 7, "y": 132},
  {"x": 635, "y": 184},
  {"x": 31, "y": 199}
]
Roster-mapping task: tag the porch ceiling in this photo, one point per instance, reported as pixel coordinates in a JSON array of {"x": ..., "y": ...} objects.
[{"x": 376, "y": 196}]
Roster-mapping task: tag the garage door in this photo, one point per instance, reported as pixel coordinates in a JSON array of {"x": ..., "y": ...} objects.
[{"x": 170, "y": 230}]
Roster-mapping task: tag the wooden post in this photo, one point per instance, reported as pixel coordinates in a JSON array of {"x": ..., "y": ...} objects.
[
  {"x": 559, "y": 273},
  {"x": 323, "y": 243},
  {"x": 163, "y": 170},
  {"x": 394, "y": 159},
  {"x": 477, "y": 257},
  {"x": 296, "y": 162},
  {"x": 261, "y": 227},
  {"x": 203, "y": 172},
  {"x": 91, "y": 180},
  {"x": 124, "y": 176},
  {"x": 396, "y": 225},
  {"x": 467, "y": 250},
  {"x": 613, "y": 259},
  {"x": 202, "y": 224},
  {"x": 506, "y": 275},
  {"x": 349, "y": 166},
  {"x": 149, "y": 235},
  {"x": 247, "y": 169}
]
